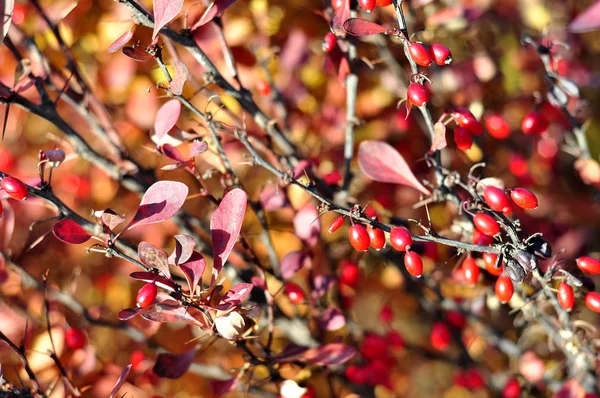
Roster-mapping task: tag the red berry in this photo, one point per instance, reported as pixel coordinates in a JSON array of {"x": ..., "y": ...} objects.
[
  {"x": 417, "y": 94},
  {"x": 367, "y": 5},
  {"x": 534, "y": 123},
  {"x": 386, "y": 314},
  {"x": 481, "y": 239},
  {"x": 336, "y": 224},
  {"x": 486, "y": 224},
  {"x": 464, "y": 118},
  {"x": 383, "y": 3},
  {"x": 337, "y": 4},
  {"x": 504, "y": 288},
  {"x": 359, "y": 237},
  {"x": 146, "y": 295},
  {"x": 75, "y": 338},
  {"x": 524, "y": 198},
  {"x": 419, "y": 54},
  {"x": 440, "y": 336},
  {"x": 329, "y": 42},
  {"x": 332, "y": 178},
  {"x": 489, "y": 259},
  {"x": 373, "y": 346},
  {"x": 7, "y": 159},
  {"x": 1, "y": 210},
  {"x": 413, "y": 264},
  {"x": 566, "y": 299},
  {"x": 456, "y": 319},
  {"x": 263, "y": 87},
  {"x": 518, "y": 165},
  {"x": 474, "y": 379},
  {"x": 400, "y": 239},
  {"x": 471, "y": 270},
  {"x": 349, "y": 273},
  {"x": 395, "y": 339},
  {"x": 588, "y": 265},
  {"x": 592, "y": 301},
  {"x": 463, "y": 138},
  {"x": 377, "y": 237},
  {"x": 512, "y": 389},
  {"x": 496, "y": 198},
  {"x": 497, "y": 126},
  {"x": 14, "y": 188},
  {"x": 355, "y": 374},
  {"x": 136, "y": 358},
  {"x": 294, "y": 293},
  {"x": 441, "y": 54}
]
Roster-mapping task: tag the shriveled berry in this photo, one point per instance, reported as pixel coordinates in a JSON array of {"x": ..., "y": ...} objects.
[
  {"x": 592, "y": 301},
  {"x": 263, "y": 87},
  {"x": 329, "y": 42},
  {"x": 336, "y": 224},
  {"x": 440, "y": 336},
  {"x": 504, "y": 288},
  {"x": 359, "y": 237},
  {"x": 512, "y": 389},
  {"x": 565, "y": 295},
  {"x": 146, "y": 295},
  {"x": 14, "y": 188},
  {"x": 400, "y": 239},
  {"x": 413, "y": 264},
  {"x": 464, "y": 118},
  {"x": 367, "y": 5},
  {"x": 75, "y": 338},
  {"x": 463, "y": 138},
  {"x": 441, "y": 54},
  {"x": 349, "y": 273},
  {"x": 294, "y": 293},
  {"x": 377, "y": 237},
  {"x": 588, "y": 265},
  {"x": 534, "y": 123},
  {"x": 497, "y": 126},
  {"x": 524, "y": 198},
  {"x": 419, "y": 54},
  {"x": 496, "y": 198},
  {"x": 471, "y": 270},
  {"x": 383, "y": 3},
  {"x": 417, "y": 94},
  {"x": 486, "y": 224}
]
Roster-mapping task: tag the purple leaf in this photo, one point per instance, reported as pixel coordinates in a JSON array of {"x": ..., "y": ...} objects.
[
  {"x": 120, "y": 381},
  {"x": 332, "y": 319},
  {"x": 150, "y": 277},
  {"x": 111, "y": 219},
  {"x": 339, "y": 17},
  {"x": 588, "y": 20},
  {"x": 171, "y": 311},
  {"x": 237, "y": 294},
  {"x": 225, "y": 226},
  {"x": 293, "y": 262},
  {"x": 137, "y": 54},
  {"x": 129, "y": 313},
  {"x": 120, "y": 42},
  {"x": 166, "y": 118},
  {"x": 164, "y": 12},
  {"x": 69, "y": 231},
  {"x": 217, "y": 7},
  {"x": 6, "y": 11},
  {"x": 439, "y": 137},
  {"x": 173, "y": 366},
  {"x": 362, "y": 27},
  {"x": 381, "y": 162},
  {"x": 329, "y": 354},
  {"x": 193, "y": 269},
  {"x": 307, "y": 224},
  {"x": 198, "y": 148},
  {"x": 221, "y": 387},
  {"x": 54, "y": 156},
  {"x": 272, "y": 197},
  {"x": 184, "y": 247},
  {"x": 154, "y": 257},
  {"x": 172, "y": 153},
  {"x": 181, "y": 76},
  {"x": 321, "y": 285},
  {"x": 159, "y": 203}
]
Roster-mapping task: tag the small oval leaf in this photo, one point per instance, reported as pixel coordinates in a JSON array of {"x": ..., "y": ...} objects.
[
  {"x": 69, "y": 231},
  {"x": 166, "y": 118},
  {"x": 120, "y": 42},
  {"x": 160, "y": 202},
  {"x": 173, "y": 366},
  {"x": 362, "y": 27},
  {"x": 164, "y": 12}
]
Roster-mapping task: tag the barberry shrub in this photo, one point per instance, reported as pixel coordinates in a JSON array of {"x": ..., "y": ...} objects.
[{"x": 298, "y": 199}]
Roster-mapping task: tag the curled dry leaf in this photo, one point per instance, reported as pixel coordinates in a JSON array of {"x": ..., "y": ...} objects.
[
  {"x": 69, "y": 231},
  {"x": 164, "y": 12},
  {"x": 230, "y": 326},
  {"x": 439, "y": 137}
]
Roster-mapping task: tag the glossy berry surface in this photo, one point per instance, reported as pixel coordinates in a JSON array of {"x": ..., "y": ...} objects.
[
  {"x": 486, "y": 224},
  {"x": 489, "y": 260},
  {"x": 565, "y": 296},
  {"x": 440, "y": 336},
  {"x": 337, "y": 4},
  {"x": 589, "y": 265},
  {"x": 464, "y": 118},
  {"x": 294, "y": 293},
  {"x": 524, "y": 198},
  {"x": 512, "y": 389},
  {"x": 440, "y": 54},
  {"x": 504, "y": 288},
  {"x": 413, "y": 264},
  {"x": 367, "y": 5},
  {"x": 495, "y": 198},
  {"x": 419, "y": 54},
  {"x": 377, "y": 237},
  {"x": 349, "y": 273},
  {"x": 463, "y": 138},
  {"x": 329, "y": 42},
  {"x": 592, "y": 301},
  {"x": 14, "y": 187},
  {"x": 383, "y": 3},
  {"x": 75, "y": 338},
  {"x": 497, "y": 126},
  {"x": 359, "y": 237},
  {"x": 400, "y": 239},
  {"x": 336, "y": 224},
  {"x": 534, "y": 123},
  {"x": 263, "y": 87},
  {"x": 471, "y": 270},
  {"x": 417, "y": 94},
  {"x": 146, "y": 295}
]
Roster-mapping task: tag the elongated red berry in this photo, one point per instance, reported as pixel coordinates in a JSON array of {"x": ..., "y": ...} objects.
[
  {"x": 383, "y": 3},
  {"x": 417, "y": 94},
  {"x": 359, "y": 238},
  {"x": 400, "y": 239},
  {"x": 1, "y": 210},
  {"x": 464, "y": 118},
  {"x": 470, "y": 270},
  {"x": 349, "y": 273},
  {"x": 481, "y": 239},
  {"x": 336, "y": 224},
  {"x": 489, "y": 260},
  {"x": 524, "y": 198},
  {"x": 589, "y": 265},
  {"x": 440, "y": 336},
  {"x": 463, "y": 138},
  {"x": 419, "y": 54},
  {"x": 413, "y": 264},
  {"x": 592, "y": 301},
  {"x": 486, "y": 224},
  {"x": 75, "y": 338},
  {"x": 565, "y": 295},
  {"x": 512, "y": 389},
  {"x": 534, "y": 123},
  {"x": 263, "y": 87},
  {"x": 495, "y": 198},
  {"x": 367, "y": 5},
  {"x": 294, "y": 293},
  {"x": 441, "y": 54},
  {"x": 504, "y": 288},
  {"x": 146, "y": 295},
  {"x": 329, "y": 42},
  {"x": 497, "y": 126},
  {"x": 14, "y": 188},
  {"x": 377, "y": 237}
]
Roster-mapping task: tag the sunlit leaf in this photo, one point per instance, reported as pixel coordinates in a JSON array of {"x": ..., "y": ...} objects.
[
  {"x": 120, "y": 42},
  {"x": 293, "y": 262},
  {"x": 166, "y": 118},
  {"x": 184, "y": 247},
  {"x": 217, "y": 7},
  {"x": 164, "y": 12},
  {"x": 120, "y": 381},
  {"x": 230, "y": 326},
  {"x": 6, "y": 10},
  {"x": 307, "y": 224},
  {"x": 193, "y": 268},
  {"x": 588, "y": 20},
  {"x": 180, "y": 77},
  {"x": 362, "y": 27},
  {"x": 154, "y": 257},
  {"x": 159, "y": 203}
]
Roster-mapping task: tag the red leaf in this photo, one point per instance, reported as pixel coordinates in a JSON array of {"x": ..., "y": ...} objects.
[
  {"x": 152, "y": 277},
  {"x": 329, "y": 354},
  {"x": 159, "y": 203},
  {"x": 69, "y": 231},
  {"x": 169, "y": 311},
  {"x": 120, "y": 381},
  {"x": 193, "y": 269},
  {"x": 292, "y": 263},
  {"x": 362, "y": 27},
  {"x": 164, "y": 12},
  {"x": 339, "y": 17},
  {"x": 166, "y": 118},
  {"x": 173, "y": 366},
  {"x": 225, "y": 226},
  {"x": 6, "y": 11},
  {"x": 184, "y": 247},
  {"x": 217, "y": 7},
  {"x": 344, "y": 70},
  {"x": 381, "y": 162},
  {"x": 137, "y": 54},
  {"x": 588, "y": 20},
  {"x": 120, "y": 42},
  {"x": 307, "y": 224},
  {"x": 439, "y": 137},
  {"x": 237, "y": 294},
  {"x": 154, "y": 257},
  {"x": 181, "y": 76}
]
